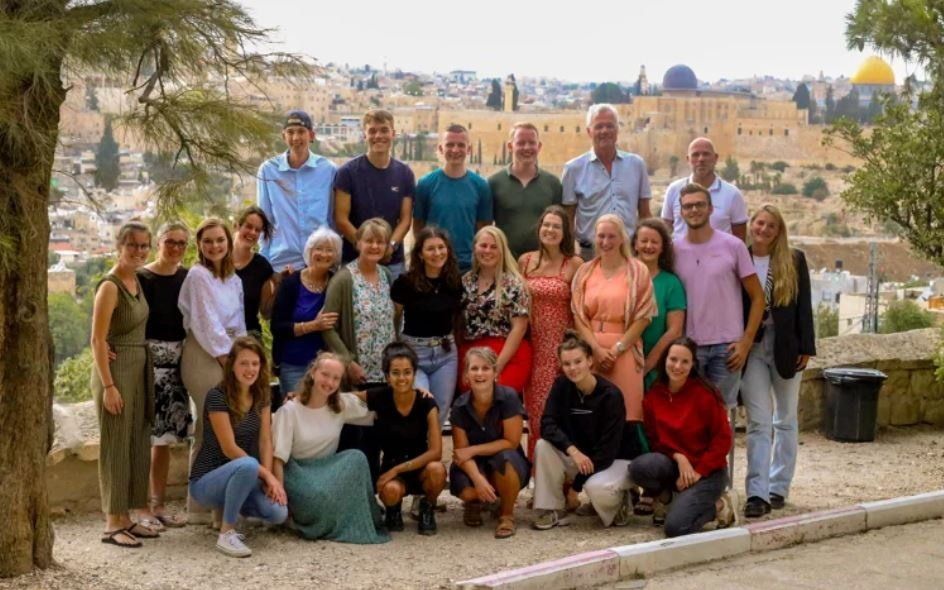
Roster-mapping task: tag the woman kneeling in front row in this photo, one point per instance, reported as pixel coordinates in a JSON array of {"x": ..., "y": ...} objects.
[
  {"x": 488, "y": 463},
  {"x": 581, "y": 432},
  {"x": 407, "y": 430},
  {"x": 232, "y": 470},
  {"x": 687, "y": 427}
]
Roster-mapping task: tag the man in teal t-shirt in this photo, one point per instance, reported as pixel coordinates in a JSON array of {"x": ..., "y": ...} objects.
[{"x": 454, "y": 198}]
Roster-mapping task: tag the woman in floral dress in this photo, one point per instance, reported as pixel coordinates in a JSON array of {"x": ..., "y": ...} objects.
[
  {"x": 360, "y": 294},
  {"x": 548, "y": 272}
]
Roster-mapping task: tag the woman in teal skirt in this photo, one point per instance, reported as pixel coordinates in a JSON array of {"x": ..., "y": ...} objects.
[{"x": 330, "y": 494}]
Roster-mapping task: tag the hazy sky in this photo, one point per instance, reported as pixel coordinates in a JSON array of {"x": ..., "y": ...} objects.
[{"x": 720, "y": 39}]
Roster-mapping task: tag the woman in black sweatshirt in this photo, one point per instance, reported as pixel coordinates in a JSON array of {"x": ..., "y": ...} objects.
[{"x": 581, "y": 432}]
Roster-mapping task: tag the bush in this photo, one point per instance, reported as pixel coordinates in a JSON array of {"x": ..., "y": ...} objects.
[
  {"x": 830, "y": 166},
  {"x": 780, "y": 165},
  {"x": 826, "y": 321},
  {"x": 816, "y": 188},
  {"x": 69, "y": 324},
  {"x": 904, "y": 315},
  {"x": 784, "y": 188},
  {"x": 73, "y": 377}
]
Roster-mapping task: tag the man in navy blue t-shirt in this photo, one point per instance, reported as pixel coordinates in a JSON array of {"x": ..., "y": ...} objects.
[{"x": 375, "y": 185}]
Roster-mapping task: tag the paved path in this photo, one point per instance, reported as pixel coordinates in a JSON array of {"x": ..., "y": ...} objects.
[{"x": 902, "y": 557}]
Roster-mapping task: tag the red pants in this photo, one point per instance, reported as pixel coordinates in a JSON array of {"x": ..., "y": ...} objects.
[{"x": 517, "y": 370}]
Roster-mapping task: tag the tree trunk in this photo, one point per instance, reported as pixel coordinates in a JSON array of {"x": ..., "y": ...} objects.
[{"x": 27, "y": 146}]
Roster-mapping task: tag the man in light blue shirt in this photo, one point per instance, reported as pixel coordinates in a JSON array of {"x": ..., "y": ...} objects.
[
  {"x": 294, "y": 190},
  {"x": 604, "y": 180}
]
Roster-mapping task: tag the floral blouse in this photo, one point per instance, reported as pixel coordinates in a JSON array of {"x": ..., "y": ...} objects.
[
  {"x": 483, "y": 316},
  {"x": 373, "y": 321}
]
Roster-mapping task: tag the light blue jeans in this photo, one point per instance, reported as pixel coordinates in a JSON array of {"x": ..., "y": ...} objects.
[
  {"x": 290, "y": 376},
  {"x": 396, "y": 270},
  {"x": 437, "y": 371},
  {"x": 771, "y": 403},
  {"x": 235, "y": 487},
  {"x": 712, "y": 362}
]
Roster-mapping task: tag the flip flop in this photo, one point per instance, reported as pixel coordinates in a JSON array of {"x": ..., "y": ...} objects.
[
  {"x": 109, "y": 539},
  {"x": 142, "y": 532}
]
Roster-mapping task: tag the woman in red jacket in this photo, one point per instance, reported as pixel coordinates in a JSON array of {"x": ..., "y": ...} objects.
[{"x": 688, "y": 431}]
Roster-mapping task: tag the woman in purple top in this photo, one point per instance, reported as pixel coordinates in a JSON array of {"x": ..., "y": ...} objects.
[{"x": 298, "y": 317}]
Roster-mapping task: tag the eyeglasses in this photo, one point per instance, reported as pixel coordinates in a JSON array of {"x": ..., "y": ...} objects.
[
  {"x": 695, "y": 206},
  {"x": 176, "y": 243}
]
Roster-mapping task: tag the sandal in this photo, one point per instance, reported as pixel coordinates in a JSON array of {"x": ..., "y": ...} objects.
[
  {"x": 141, "y": 531},
  {"x": 506, "y": 527},
  {"x": 644, "y": 506},
  {"x": 152, "y": 523},
  {"x": 109, "y": 538},
  {"x": 172, "y": 521},
  {"x": 472, "y": 514}
]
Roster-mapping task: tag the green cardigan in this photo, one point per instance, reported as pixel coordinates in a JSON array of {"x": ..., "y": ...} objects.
[{"x": 342, "y": 339}]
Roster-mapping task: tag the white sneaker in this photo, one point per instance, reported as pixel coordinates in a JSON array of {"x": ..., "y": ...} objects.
[{"x": 231, "y": 543}]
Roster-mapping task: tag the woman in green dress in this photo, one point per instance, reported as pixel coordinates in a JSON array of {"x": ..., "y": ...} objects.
[{"x": 122, "y": 384}]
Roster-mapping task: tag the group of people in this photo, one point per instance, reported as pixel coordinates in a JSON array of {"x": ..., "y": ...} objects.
[{"x": 617, "y": 340}]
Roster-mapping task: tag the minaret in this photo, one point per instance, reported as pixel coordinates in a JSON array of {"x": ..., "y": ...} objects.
[
  {"x": 508, "y": 95},
  {"x": 643, "y": 82}
]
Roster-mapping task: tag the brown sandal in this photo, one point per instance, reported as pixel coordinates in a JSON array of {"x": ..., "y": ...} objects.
[
  {"x": 472, "y": 513},
  {"x": 109, "y": 538},
  {"x": 141, "y": 531},
  {"x": 506, "y": 527}
]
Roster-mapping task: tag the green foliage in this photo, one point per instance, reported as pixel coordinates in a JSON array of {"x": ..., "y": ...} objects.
[
  {"x": 609, "y": 92},
  {"x": 730, "y": 172},
  {"x": 816, "y": 188},
  {"x": 51, "y": 258},
  {"x": 72, "y": 383},
  {"x": 830, "y": 105},
  {"x": 784, "y": 188},
  {"x": 107, "y": 169},
  {"x": 802, "y": 97},
  {"x": 673, "y": 165},
  {"x": 69, "y": 323},
  {"x": 413, "y": 88},
  {"x": 904, "y": 315},
  {"x": 826, "y": 321},
  {"x": 780, "y": 166}
]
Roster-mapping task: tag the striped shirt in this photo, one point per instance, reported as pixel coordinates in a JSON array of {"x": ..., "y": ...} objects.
[{"x": 245, "y": 432}]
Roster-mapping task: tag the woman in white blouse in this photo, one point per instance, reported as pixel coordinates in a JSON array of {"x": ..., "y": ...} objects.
[
  {"x": 330, "y": 494},
  {"x": 211, "y": 302}
]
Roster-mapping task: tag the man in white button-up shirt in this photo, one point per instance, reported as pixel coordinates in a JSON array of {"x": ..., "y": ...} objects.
[
  {"x": 604, "y": 180},
  {"x": 730, "y": 210}
]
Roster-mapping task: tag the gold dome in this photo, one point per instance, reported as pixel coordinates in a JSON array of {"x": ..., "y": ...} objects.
[{"x": 874, "y": 71}]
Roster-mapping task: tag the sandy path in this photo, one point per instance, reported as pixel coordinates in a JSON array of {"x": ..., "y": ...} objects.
[{"x": 900, "y": 462}]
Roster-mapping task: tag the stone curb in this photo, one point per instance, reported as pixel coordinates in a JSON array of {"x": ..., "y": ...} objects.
[{"x": 645, "y": 559}]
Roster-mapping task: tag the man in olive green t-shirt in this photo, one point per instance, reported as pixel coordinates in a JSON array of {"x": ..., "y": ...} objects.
[{"x": 522, "y": 191}]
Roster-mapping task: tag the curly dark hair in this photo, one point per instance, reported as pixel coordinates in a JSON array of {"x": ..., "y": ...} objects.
[
  {"x": 417, "y": 273},
  {"x": 667, "y": 257}
]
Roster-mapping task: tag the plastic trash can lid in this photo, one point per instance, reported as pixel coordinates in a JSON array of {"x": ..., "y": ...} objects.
[{"x": 839, "y": 374}]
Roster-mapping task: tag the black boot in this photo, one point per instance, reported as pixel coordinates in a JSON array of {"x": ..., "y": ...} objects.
[
  {"x": 393, "y": 518},
  {"x": 427, "y": 523}
]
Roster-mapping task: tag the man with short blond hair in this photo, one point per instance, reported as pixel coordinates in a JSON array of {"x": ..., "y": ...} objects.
[
  {"x": 730, "y": 210},
  {"x": 522, "y": 191},
  {"x": 375, "y": 185},
  {"x": 453, "y": 197},
  {"x": 604, "y": 180}
]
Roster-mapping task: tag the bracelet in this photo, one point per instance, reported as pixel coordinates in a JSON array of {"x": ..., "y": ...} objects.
[{"x": 110, "y": 385}]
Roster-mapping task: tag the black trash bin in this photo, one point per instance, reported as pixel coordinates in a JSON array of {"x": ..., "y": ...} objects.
[{"x": 851, "y": 403}]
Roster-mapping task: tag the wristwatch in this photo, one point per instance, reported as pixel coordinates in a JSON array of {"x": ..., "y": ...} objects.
[
  {"x": 620, "y": 347},
  {"x": 393, "y": 244}
]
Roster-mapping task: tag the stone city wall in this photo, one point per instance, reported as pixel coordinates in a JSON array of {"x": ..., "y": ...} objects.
[{"x": 910, "y": 396}]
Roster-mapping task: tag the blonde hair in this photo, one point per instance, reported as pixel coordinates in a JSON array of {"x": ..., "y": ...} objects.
[
  {"x": 226, "y": 268},
  {"x": 304, "y": 387},
  {"x": 483, "y": 352},
  {"x": 524, "y": 125},
  {"x": 375, "y": 227},
  {"x": 781, "y": 260},
  {"x": 620, "y": 227},
  {"x": 507, "y": 265}
]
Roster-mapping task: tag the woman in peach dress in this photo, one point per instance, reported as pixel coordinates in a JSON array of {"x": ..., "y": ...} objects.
[{"x": 612, "y": 304}]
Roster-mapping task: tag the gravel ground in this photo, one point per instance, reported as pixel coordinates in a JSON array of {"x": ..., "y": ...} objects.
[{"x": 829, "y": 474}]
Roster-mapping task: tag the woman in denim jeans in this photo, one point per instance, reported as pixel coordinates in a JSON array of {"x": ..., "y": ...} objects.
[
  {"x": 784, "y": 344},
  {"x": 429, "y": 295}
]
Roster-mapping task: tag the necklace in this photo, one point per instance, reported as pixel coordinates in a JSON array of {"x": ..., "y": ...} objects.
[{"x": 311, "y": 285}]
